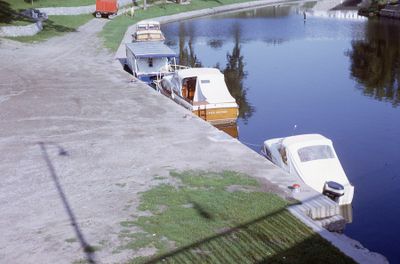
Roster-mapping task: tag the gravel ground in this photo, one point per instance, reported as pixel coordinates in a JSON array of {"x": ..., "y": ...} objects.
[{"x": 79, "y": 141}]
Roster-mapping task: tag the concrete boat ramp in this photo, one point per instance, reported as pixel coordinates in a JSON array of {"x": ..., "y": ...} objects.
[{"x": 80, "y": 140}]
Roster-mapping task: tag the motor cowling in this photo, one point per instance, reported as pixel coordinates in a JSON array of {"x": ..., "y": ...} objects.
[{"x": 333, "y": 190}]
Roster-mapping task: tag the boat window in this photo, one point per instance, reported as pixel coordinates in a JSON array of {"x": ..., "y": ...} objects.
[
  {"x": 315, "y": 153},
  {"x": 282, "y": 151},
  {"x": 150, "y": 62},
  {"x": 267, "y": 153},
  {"x": 205, "y": 81}
]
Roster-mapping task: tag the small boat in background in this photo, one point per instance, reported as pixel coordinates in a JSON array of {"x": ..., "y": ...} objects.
[
  {"x": 148, "y": 31},
  {"x": 312, "y": 158},
  {"x": 203, "y": 91}
]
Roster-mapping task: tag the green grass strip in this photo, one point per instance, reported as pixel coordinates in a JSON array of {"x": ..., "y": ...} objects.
[
  {"x": 22, "y": 4},
  {"x": 201, "y": 221}
]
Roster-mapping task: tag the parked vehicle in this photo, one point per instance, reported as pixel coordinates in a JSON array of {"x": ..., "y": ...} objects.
[
  {"x": 107, "y": 8},
  {"x": 312, "y": 158}
]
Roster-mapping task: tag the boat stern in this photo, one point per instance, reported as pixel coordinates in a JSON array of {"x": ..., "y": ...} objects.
[{"x": 348, "y": 195}]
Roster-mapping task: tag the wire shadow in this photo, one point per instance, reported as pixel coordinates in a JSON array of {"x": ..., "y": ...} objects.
[
  {"x": 87, "y": 248},
  {"x": 274, "y": 237}
]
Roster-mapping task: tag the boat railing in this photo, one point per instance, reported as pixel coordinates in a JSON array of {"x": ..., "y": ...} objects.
[
  {"x": 166, "y": 70},
  {"x": 175, "y": 67}
]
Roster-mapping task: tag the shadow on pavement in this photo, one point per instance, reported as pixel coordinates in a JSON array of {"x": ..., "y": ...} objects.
[{"x": 87, "y": 248}]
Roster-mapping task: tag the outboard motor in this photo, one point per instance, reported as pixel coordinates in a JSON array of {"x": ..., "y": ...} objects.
[{"x": 333, "y": 190}]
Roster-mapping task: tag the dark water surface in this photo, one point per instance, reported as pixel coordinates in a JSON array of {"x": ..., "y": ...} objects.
[{"x": 336, "y": 77}]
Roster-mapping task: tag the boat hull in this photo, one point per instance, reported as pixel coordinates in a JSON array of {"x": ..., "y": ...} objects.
[
  {"x": 220, "y": 115},
  {"x": 208, "y": 112}
]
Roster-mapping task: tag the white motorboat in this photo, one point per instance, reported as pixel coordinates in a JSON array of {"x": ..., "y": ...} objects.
[
  {"x": 203, "y": 91},
  {"x": 312, "y": 158}
]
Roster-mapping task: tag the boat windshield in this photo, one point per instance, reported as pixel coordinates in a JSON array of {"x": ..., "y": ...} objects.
[{"x": 315, "y": 153}]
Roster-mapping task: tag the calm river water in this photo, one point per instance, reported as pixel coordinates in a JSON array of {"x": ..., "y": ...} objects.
[{"x": 335, "y": 76}]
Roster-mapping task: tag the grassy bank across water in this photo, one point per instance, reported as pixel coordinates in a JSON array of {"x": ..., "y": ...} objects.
[
  {"x": 114, "y": 31},
  {"x": 22, "y": 4},
  {"x": 226, "y": 217}
]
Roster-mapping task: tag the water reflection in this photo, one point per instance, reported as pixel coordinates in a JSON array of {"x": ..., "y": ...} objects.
[
  {"x": 234, "y": 76},
  {"x": 234, "y": 69},
  {"x": 216, "y": 43},
  {"x": 337, "y": 14},
  {"x": 230, "y": 129},
  {"x": 375, "y": 61},
  {"x": 187, "y": 56},
  {"x": 305, "y": 80},
  {"x": 270, "y": 12}
]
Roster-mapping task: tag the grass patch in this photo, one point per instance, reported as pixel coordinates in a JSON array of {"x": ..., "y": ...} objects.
[
  {"x": 10, "y": 13},
  {"x": 22, "y": 22},
  {"x": 57, "y": 26},
  {"x": 141, "y": 240},
  {"x": 24, "y": 4},
  {"x": 10, "y": 16},
  {"x": 214, "y": 180},
  {"x": 205, "y": 223},
  {"x": 160, "y": 178},
  {"x": 71, "y": 240},
  {"x": 139, "y": 260},
  {"x": 114, "y": 31},
  {"x": 127, "y": 223},
  {"x": 122, "y": 185}
]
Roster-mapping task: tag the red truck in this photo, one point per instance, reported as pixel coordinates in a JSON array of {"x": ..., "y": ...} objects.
[{"x": 108, "y": 8}]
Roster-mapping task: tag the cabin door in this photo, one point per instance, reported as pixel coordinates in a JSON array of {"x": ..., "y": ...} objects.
[{"x": 189, "y": 88}]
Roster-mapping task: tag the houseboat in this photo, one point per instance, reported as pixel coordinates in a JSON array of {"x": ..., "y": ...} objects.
[
  {"x": 203, "y": 91},
  {"x": 312, "y": 158},
  {"x": 149, "y": 60},
  {"x": 148, "y": 31}
]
